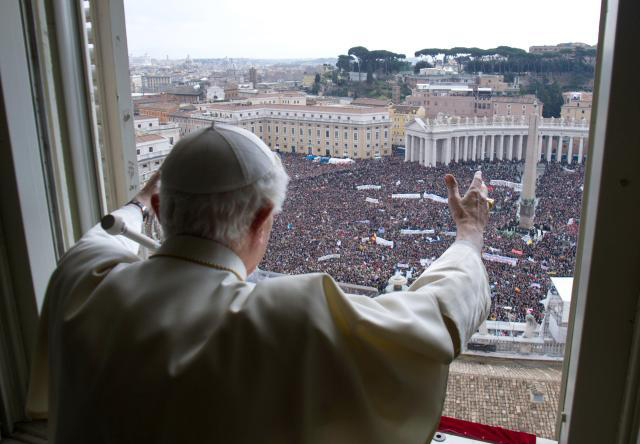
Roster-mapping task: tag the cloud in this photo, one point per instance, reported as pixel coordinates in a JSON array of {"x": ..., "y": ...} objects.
[{"x": 290, "y": 28}]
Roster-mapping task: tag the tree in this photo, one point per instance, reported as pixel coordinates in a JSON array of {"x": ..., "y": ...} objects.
[
  {"x": 549, "y": 94},
  {"x": 420, "y": 65},
  {"x": 344, "y": 63},
  {"x": 363, "y": 56}
]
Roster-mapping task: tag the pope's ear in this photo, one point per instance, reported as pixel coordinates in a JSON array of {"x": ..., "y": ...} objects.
[
  {"x": 261, "y": 217},
  {"x": 155, "y": 204}
]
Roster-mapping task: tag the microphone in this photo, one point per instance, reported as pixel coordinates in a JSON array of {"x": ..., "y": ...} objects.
[{"x": 114, "y": 225}]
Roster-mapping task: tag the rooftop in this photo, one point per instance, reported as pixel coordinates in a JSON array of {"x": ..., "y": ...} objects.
[
  {"x": 406, "y": 108},
  {"x": 370, "y": 102},
  {"x": 299, "y": 108},
  {"x": 500, "y": 392},
  {"x": 164, "y": 106},
  {"x": 146, "y": 138}
]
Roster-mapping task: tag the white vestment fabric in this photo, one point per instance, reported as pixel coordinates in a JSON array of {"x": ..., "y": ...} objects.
[{"x": 172, "y": 350}]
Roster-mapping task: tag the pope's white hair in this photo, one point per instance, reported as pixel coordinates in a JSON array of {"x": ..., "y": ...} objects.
[{"x": 222, "y": 217}]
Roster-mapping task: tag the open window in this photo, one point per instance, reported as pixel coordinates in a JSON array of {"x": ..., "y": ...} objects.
[{"x": 66, "y": 98}]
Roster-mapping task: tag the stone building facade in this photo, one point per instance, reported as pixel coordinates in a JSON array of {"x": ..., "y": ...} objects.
[
  {"x": 337, "y": 131},
  {"x": 577, "y": 105}
]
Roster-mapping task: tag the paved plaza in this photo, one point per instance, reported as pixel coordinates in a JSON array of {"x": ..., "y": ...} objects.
[{"x": 518, "y": 395}]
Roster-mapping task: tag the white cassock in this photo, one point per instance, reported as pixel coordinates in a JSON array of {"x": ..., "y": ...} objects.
[{"x": 180, "y": 349}]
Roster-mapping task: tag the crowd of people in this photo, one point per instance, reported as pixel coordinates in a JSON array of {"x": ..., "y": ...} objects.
[{"x": 325, "y": 215}]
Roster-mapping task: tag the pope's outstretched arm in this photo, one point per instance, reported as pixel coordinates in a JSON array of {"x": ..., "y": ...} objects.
[
  {"x": 444, "y": 306},
  {"x": 79, "y": 272}
]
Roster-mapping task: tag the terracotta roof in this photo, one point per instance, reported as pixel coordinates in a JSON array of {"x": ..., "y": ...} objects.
[
  {"x": 406, "y": 108},
  {"x": 163, "y": 106},
  {"x": 144, "y": 138},
  {"x": 370, "y": 102},
  {"x": 299, "y": 108}
]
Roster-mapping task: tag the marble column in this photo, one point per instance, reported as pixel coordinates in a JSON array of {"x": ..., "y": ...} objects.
[
  {"x": 539, "y": 147},
  {"x": 510, "y": 149},
  {"x": 520, "y": 143},
  {"x": 580, "y": 150},
  {"x": 474, "y": 148},
  {"x": 559, "y": 149},
  {"x": 549, "y": 147},
  {"x": 482, "y": 148},
  {"x": 447, "y": 151},
  {"x": 465, "y": 157},
  {"x": 570, "y": 151},
  {"x": 500, "y": 147},
  {"x": 406, "y": 147},
  {"x": 492, "y": 148},
  {"x": 456, "y": 149},
  {"x": 423, "y": 151}
]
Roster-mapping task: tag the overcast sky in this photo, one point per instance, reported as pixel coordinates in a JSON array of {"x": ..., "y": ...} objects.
[{"x": 326, "y": 28}]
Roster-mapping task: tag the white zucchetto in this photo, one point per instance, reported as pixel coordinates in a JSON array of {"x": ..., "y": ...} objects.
[{"x": 215, "y": 160}]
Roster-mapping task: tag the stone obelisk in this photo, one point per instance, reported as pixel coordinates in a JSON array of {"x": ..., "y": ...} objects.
[{"x": 528, "y": 195}]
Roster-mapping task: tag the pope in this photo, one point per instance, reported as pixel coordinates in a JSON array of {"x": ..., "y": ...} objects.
[{"x": 180, "y": 348}]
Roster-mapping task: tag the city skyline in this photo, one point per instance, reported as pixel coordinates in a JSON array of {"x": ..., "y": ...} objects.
[{"x": 284, "y": 30}]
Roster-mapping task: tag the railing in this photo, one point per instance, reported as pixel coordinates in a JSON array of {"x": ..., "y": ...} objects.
[
  {"x": 518, "y": 346},
  {"x": 154, "y": 154},
  {"x": 502, "y": 122}
]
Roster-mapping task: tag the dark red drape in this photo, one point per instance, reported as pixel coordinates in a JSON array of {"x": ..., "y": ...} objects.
[{"x": 481, "y": 432}]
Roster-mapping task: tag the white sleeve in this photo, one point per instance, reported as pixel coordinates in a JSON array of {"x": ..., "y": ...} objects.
[
  {"x": 436, "y": 317},
  {"x": 132, "y": 217}
]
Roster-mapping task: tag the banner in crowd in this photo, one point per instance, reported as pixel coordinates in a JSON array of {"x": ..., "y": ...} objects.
[
  {"x": 408, "y": 231},
  {"x": 406, "y": 196},
  {"x": 435, "y": 198},
  {"x": 568, "y": 170},
  {"x": 449, "y": 233},
  {"x": 336, "y": 161},
  {"x": 372, "y": 200},
  {"x": 399, "y": 265},
  {"x": 328, "y": 256},
  {"x": 519, "y": 252},
  {"x": 368, "y": 187},
  {"x": 505, "y": 183},
  {"x": 501, "y": 259},
  {"x": 384, "y": 242},
  {"x": 426, "y": 262}
]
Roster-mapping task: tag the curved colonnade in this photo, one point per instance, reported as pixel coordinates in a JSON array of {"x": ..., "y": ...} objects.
[{"x": 457, "y": 139}]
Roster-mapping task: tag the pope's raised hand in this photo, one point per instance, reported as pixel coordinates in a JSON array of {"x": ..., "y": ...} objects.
[
  {"x": 471, "y": 212},
  {"x": 150, "y": 188}
]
